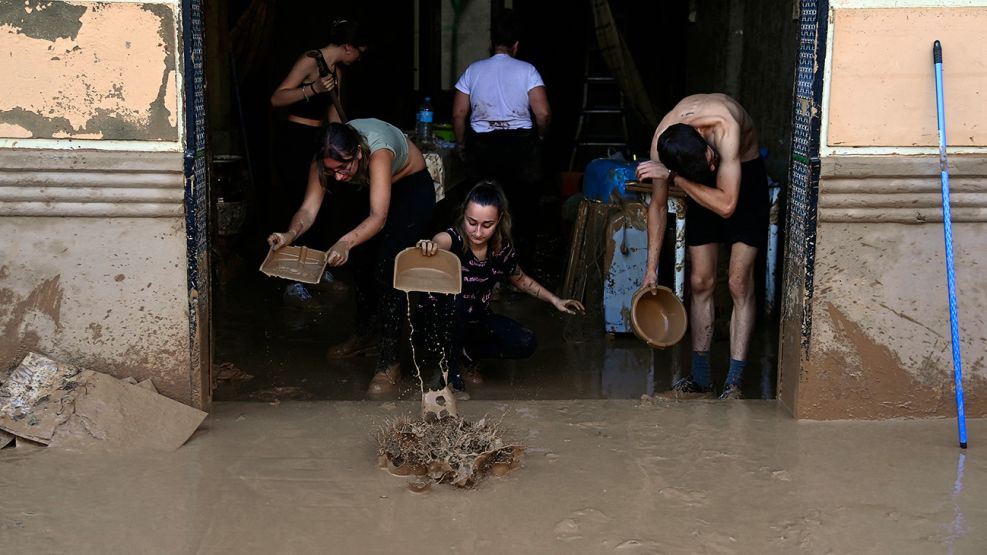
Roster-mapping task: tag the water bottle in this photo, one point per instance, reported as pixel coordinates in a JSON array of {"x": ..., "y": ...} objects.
[{"x": 423, "y": 129}]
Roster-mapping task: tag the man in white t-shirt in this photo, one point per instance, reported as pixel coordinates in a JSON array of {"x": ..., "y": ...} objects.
[{"x": 502, "y": 142}]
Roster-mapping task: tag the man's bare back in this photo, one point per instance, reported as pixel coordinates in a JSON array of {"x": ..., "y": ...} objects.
[{"x": 721, "y": 120}]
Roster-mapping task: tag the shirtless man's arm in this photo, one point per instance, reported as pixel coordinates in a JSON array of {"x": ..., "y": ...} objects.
[
  {"x": 725, "y": 141},
  {"x": 657, "y": 216},
  {"x": 722, "y": 199}
]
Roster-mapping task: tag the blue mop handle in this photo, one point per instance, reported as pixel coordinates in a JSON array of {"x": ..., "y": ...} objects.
[{"x": 948, "y": 231}]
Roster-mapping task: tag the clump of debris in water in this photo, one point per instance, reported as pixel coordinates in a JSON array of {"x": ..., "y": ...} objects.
[
  {"x": 444, "y": 449},
  {"x": 440, "y": 446}
]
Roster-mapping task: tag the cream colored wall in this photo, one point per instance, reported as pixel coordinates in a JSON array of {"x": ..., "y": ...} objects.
[
  {"x": 882, "y": 91},
  {"x": 93, "y": 265}
]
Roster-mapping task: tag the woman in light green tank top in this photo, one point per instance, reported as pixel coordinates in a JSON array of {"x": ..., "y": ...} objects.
[{"x": 375, "y": 156}]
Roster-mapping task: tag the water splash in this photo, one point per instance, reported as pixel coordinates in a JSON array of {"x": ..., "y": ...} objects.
[
  {"x": 957, "y": 528},
  {"x": 414, "y": 357},
  {"x": 439, "y": 403}
]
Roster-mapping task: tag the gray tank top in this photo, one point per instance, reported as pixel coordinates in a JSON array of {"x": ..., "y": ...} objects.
[{"x": 380, "y": 134}]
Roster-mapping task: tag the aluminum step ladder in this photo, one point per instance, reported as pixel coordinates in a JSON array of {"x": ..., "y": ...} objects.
[{"x": 598, "y": 117}]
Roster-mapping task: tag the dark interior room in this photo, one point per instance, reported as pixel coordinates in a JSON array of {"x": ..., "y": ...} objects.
[{"x": 267, "y": 348}]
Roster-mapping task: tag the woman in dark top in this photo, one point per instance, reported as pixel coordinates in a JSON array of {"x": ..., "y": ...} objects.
[
  {"x": 318, "y": 72},
  {"x": 482, "y": 240},
  {"x": 307, "y": 94}
]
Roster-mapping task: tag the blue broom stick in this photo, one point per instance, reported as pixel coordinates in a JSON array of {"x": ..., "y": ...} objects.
[{"x": 948, "y": 232}]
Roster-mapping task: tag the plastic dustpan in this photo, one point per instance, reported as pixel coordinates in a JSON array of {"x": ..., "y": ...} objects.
[
  {"x": 296, "y": 263},
  {"x": 658, "y": 317},
  {"x": 440, "y": 273}
]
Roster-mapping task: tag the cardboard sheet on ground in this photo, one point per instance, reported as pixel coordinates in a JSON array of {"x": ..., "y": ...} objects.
[{"x": 61, "y": 405}]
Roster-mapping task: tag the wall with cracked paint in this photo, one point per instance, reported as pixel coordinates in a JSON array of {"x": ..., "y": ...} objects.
[
  {"x": 88, "y": 70},
  {"x": 92, "y": 188}
]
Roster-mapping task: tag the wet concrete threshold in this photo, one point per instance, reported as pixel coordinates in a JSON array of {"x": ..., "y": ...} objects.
[{"x": 598, "y": 476}]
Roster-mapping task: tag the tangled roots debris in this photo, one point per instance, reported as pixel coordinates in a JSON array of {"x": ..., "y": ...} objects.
[{"x": 444, "y": 450}]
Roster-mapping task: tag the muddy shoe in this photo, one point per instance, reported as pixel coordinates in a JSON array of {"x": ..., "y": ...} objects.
[
  {"x": 731, "y": 392},
  {"x": 685, "y": 389},
  {"x": 354, "y": 345},
  {"x": 385, "y": 382}
]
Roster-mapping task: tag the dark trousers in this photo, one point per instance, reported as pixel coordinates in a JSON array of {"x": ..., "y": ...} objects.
[
  {"x": 443, "y": 329},
  {"x": 514, "y": 159},
  {"x": 379, "y": 306}
]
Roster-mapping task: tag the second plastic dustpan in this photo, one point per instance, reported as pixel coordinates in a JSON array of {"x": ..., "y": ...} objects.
[{"x": 440, "y": 273}]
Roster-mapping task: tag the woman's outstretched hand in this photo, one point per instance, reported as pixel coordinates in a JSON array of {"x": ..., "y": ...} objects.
[
  {"x": 427, "y": 248},
  {"x": 339, "y": 253},
  {"x": 278, "y": 240},
  {"x": 570, "y": 306}
]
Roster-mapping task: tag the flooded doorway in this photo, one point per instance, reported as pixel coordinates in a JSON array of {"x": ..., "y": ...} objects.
[{"x": 267, "y": 348}]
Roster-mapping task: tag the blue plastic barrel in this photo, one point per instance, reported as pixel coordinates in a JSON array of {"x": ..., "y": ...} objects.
[{"x": 603, "y": 175}]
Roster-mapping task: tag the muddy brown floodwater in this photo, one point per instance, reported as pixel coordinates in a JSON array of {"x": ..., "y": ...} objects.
[{"x": 598, "y": 476}]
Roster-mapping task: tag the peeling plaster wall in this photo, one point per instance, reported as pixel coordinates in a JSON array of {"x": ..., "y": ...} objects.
[
  {"x": 88, "y": 70},
  {"x": 92, "y": 190}
]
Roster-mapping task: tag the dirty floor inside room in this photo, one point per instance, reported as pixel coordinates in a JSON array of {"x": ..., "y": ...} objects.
[
  {"x": 598, "y": 476},
  {"x": 270, "y": 350}
]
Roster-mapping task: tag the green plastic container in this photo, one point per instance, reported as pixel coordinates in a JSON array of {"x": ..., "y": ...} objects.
[{"x": 444, "y": 131}]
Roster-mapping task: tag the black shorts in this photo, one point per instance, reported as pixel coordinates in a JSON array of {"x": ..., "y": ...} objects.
[{"x": 749, "y": 222}]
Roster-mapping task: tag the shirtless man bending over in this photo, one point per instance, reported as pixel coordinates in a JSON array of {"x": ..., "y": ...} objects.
[{"x": 707, "y": 146}]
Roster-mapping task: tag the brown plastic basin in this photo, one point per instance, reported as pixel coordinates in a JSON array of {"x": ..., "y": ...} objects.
[
  {"x": 440, "y": 273},
  {"x": 658, "y": 317}
]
